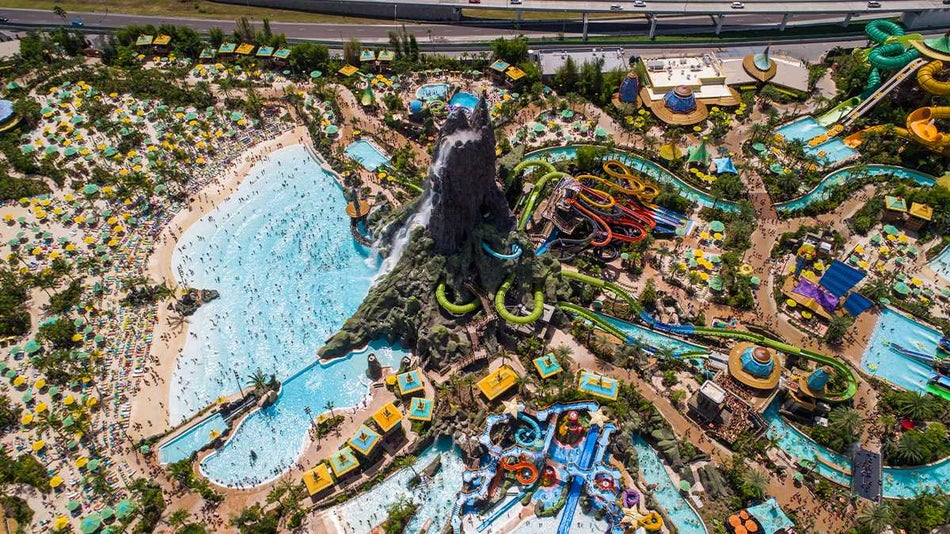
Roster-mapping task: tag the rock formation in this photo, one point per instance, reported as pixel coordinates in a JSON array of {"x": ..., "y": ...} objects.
[{"x": 462, "y": 181}]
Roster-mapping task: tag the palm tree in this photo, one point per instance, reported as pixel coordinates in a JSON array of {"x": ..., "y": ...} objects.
[
  {"x": 846, "y": 423},
  {"x": 757, "y": 481},
  {"x": 258, "y": 379},
  {"x": 876, "y": 518},
  {"x": 915, "y": 405},
  {"x": 910, "y": 449},
  {"x": 329, "y": 407},
  {"x": 60, "y": 12}
]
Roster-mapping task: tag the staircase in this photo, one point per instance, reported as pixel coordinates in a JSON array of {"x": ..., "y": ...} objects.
[{"x": 881, "y": 92}]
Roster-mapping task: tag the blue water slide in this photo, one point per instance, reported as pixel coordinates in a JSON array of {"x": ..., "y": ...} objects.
[
  {"x": 502, "y": 509},
  {"x": 514, "y": 254},
  {"x": 533, "y": 428},
  {"x": 685, "y": 329},
  {"x": 574, "y": 494},
  {"x": 547, "y": 242}
]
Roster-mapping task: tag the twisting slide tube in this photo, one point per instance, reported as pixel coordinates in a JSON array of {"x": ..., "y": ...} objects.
[
  {"x": 514, "y": 254},
  {"x": 879, "y": 30},
  {"x": 518, "y": 319},
  {"x": 927, "y": 82},
  {"x": 892, "y": 56},
  {"x": 451, "y": 307}
]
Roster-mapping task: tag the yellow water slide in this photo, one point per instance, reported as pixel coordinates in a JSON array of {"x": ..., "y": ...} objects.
[{"x": 921, "y": 124}]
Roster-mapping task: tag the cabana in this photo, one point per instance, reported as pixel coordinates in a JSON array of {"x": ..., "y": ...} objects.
[
  {"x": 245, "y": 49},
  {"x": 227, "y": 48},
  {"x": 265, "y": 52},
  {"x": 409, "y": 382},
  {"x": 343, "y": 462},
  {"x": 207, "y": 54},
  {"x": 920, "y": 215},
  {"x": 364, "y": 440},
  {"x": 144, "y": 40},
  {"x": 547, "y": 366},
  {"x": 387, "y": 418},
  {"x": 282, "y": 54},
  {"x": 420, "y": 409},
  {"x": 162, "y": 41},
  {"x": 348, "y": 70},
  {"x": 498, "y": 382},
  {"x": 386, "y": 55},
  {"x": 500, "y": 66},
  {"x": 513, "y": 74},
  {"x": 840, "y": 278},
  {"x": 367, "y": 56},
  {"x": 598, "y": 385},
  {"x": 724, "y": 165},
  {"x": 318, "y": 479}
]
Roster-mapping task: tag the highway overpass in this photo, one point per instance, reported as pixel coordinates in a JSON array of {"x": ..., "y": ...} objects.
[{"x": 916, "y": 14}]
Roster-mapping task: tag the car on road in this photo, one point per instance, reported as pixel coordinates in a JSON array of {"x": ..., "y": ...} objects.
[
  {"x": 78, "y": 22},
  {"x": 738, "y": 5},
  {"x": 514, "y": 2},
  {"x": 639, "y": 3},
  {"x": 874, "y": 3},
  {"x": 616, "y": 7},
  {"x": 4, "y": 20}
]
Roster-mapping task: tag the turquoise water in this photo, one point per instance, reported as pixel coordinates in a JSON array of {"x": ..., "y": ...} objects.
[
  {"x": 655, "y": 172},
  {"x": 842, "y": 176},
  {"x": 280, "y": 253},
  {"x": 898, "y": 483},
  {"x": 653, "y": 339},
  {"x": 902, "y": 371},
  {"x": 465, "y": 100},
  {"x": 835, "y": 150},
  {"x": 191, "y": 440},
  {"x": 435, "y": 497},
  {"x": 941, "y": 264},
  {"x": 770, "y": 516},
  {"x": 679, "y": 511},
  {"x": 366, "y": 154},
  {"x": 432, "y": 91},
  {"x": 803, "y": 130},
  {"x": 278, "y": 433}
]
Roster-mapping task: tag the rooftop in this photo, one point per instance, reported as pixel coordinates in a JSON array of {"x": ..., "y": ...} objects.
[
  {"x": 343, "y": 461},
  {"x": 409, "y": 382},
  {"x": 364, "y": 440},
  {"x": 614, "y": 58},
  {"x": 498, "y": 382},
  {"x": 318, "y": 479},
  {"x": 387, "y": 417},
  {"x": 598, "y": 385},
  {"x": 547, "y": 365},
  {"x": 420, "y": 409},
  {"x": 921, "y": 211}
]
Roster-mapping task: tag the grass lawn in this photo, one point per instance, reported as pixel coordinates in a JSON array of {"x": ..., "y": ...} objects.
[{"x": 179, "y": 8}]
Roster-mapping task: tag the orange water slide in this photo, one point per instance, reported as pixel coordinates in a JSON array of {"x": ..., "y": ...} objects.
[{"x": 525, "y": 471}]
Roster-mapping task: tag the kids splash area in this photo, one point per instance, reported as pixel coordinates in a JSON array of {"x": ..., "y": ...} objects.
[{"x": 550, "y": 459}]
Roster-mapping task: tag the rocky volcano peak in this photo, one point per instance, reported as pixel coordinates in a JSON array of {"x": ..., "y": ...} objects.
[{"x": 461, "y": 180}]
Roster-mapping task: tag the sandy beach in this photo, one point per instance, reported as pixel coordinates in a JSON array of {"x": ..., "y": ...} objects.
[{"x": 149, "y": 415}]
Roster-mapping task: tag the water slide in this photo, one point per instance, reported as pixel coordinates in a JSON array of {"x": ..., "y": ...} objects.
[
  {"x": 593, "y": 318},
  {"x": 683, "y": 329},
  {"x": 605, "y": 285},
  {"x": 920, "y": 128},
  {"x": 538, "y": 186},
  {"x": 525, "y": 472},
  {"x": 533, "y": 427},
  {"x": 892, "y": 56},
  {"x": 451, "y": 307},
  {"x": 609, "y": 235},
  {"x": 906, "y": 71},
  {"x": 514, "y": 254},
  {"x": 501, "y": 509},
  {"x": 927, "y": 82},
  {"x": 574, "y": 493},
  {"x": 938, "y": 391},
  {"x": 503, "y": 312},
  {"x": 904, "y": 351}
]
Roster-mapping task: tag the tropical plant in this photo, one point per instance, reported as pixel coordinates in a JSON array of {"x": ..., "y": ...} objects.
[
  {"x": 876, "y": 518},
  {"x": 259, "y": 379}
]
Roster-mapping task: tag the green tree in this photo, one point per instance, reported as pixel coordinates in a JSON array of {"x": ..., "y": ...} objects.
[
  {"x": 837, "y": 328},
  {"x": 306, "y": 56},
  {"x": 9, "y": 412},
  {"x": 514, "y": 51},
  {"x": 59, "y": 333},
  {"x": 351, "y": 51},
  {"x": 876, "y": 518},
  {"x": 565, "y": 77},
  {"x": 259, "y": 379},
  {"x": 60, "y": 12},
  {"x": 728, "y": 186}
]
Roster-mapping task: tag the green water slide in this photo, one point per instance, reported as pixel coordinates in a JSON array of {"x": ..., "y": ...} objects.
[
  {"x": 603, "y": 284},
  {"x": 538, "y": 187},
  {"x": 892, "y": 56},
  {"x": 938, "y": 391},
  {"x": 880, "y": 30},
  {"x": 518, "y": 319},
  {"x": 451, "y": 307},
  {"x": 593, "y": 318},
  {"x": 758, "y": 339}
]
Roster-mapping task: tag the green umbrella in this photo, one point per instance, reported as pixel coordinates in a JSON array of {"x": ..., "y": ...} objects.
[
  {"x": 11, "y": 373},
  {"x": 46, "y": 110},
  {"x": 27, "y": 397},
  {"x": 93, "y": 465},
  {"x": 717, "y": 226},
  {"x": 53, "y": 391},
  {"x": 798, "y": 477},
  {"x": 315, "y": 74},
  {"x": 70, "y": 151},
  {"x": 600, "y": 132},
  {"x": 26, "y": 149},
  {"x": 755, "y": 280},
  {"x": 715, "y": 259},
  {"x": 90, "y": 189},
  {"x": 77, "y": 119},
  {"x": 889, "y": 229},
  {"x": 90, "y": 524},
  {"x": 884, "y": 300},
  {"x": 51, "y": 149},
  {"x": 684, "y": 485},
  {"x": 331, "y": 129},
  {"x": 945, "y": 291},
  {"x": 14, "y": 350},
  {"x": 72, "y": 445},
  {"x": 72, "y": 506},
  {"x": 236, "y": 116},
  {"x": 191, "y": 116},
  {"x": 901, "y": 288},
  {"x": 106, "y": 513},
  {"x": 32, "y": 346},
  {"x": 567, "y": 114},
  {"x": 538, "y": 127},
  {"x": 68, "y": 421},
  {"x": 144, "y": 449}
]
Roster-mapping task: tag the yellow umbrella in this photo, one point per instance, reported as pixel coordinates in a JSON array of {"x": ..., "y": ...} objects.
[
  {"x": 704, "y": 235},
  {"x": 717, "y": 236},
  {"x": 698, "y": 253},
  {"x": 41, "y": 407},
  {"x": 81, "y": 462},
  {"x": 859, "y": 249},
  {"x": 77, "y": 337},
  {"x": 38, "y": 445},
  {"x": 903, "y": 238},
  {"x": 61, "y": 522},
  {"x": 806, "y": 314},
  {"x": 40, "y": 384},
  {"x": 19, "y": 381},
  {"x": 26, "y": 418},
  {"x": 917, "y": 281},
  {"x": 56, "y": 482},
  {"x": 863, "y": 264},
  {"x": 69, "y": 400},
  {"x": 892, "y": 237},
  {"x": 91, "y": 401},
  {"x": 791, "y": 303}
]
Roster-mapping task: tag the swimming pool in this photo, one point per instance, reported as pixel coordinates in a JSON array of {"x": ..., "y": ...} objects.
[
  {"x": 465, "y": 100},
  {"x": 679, "y": 511},
  {"x": 806, "y": 129},
  {"x": 366, "y": 154},
  {"x": 280, "y": 254},
  {"x": 653, "y": 339},
  {"x": 897, "y": 483},
  {"x": 277, "y": 435},
  {"x": 435, "y": 498},
  {"x": 432, "y": 91},
  {"x": 845, "y": 175},
  {"x": 655, "y": 172},
  {"x": 196, "y": 437},
  {"x": 898, "y": 369},
  {"x": 941, "y": 264}
]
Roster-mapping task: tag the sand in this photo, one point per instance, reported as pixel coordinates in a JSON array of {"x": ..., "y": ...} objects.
[{"x": 149, "y": 415}]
